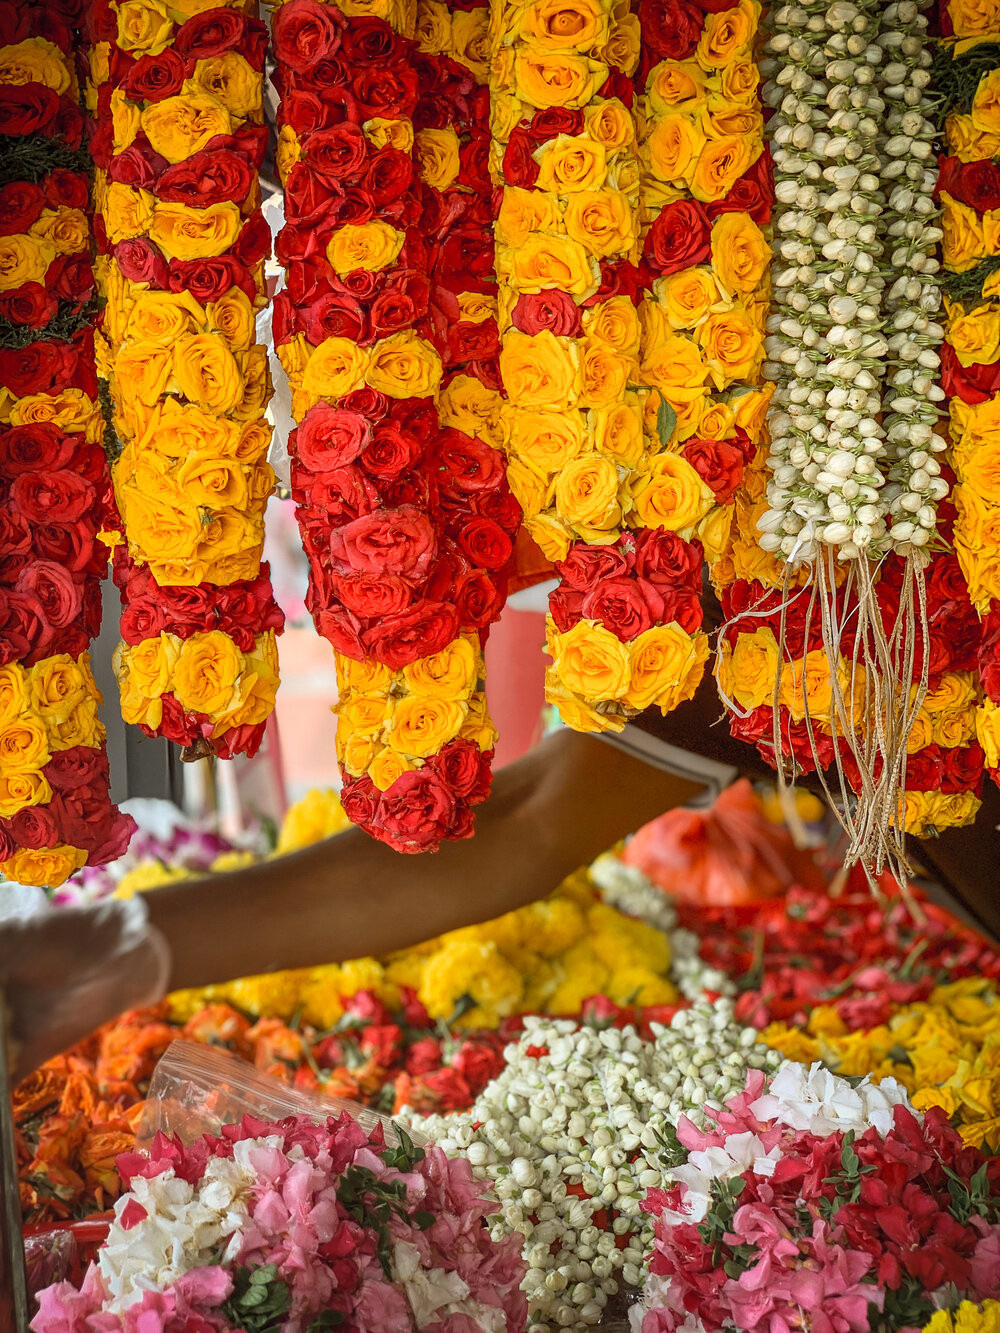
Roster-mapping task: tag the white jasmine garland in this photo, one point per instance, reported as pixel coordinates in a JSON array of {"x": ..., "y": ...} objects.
[{"x": 576, "y": 1112}]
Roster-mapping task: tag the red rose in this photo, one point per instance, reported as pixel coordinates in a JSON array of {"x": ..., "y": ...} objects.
[
  {"x": 369, "y": 402},
  {"x": 519, "y": 166},
  {"x": 565, "y": 607},
  {"x": 976, "y": 184},
  {"x": 924, "y": 769},
  {"x": 972, "y": 384},
  {"x": 372, "y": 596},
  {"x": 341, "y": 495},
  {"x": 399, "y": 307},
  {"x": 478, "y": 1062},
  {"x": 663, "y": 556},
  {"x": 28, "y": 108},
  {"x": 52, "y": 592},
  {"x": 383, "y": 1042},
  {"x": 388, "y": 177},
  {"x": 390, "y": 93},
  {"x": 753, "y": 193},
  {"x": 137, "y": 166},
  {"x": 416, "y": 812},
  {"x": 484, "y": 543},
  {"x": 624, "y": 606},
  {"x": 15, "y": 544},
  {"x": 20, "y": 626},
  {"x": 30, "y": 305},
  {"x": 337, "y": 154},
  {"x": 207, "y": 178},
  {"x": 7, "y": 844},
  {"x": 401, "y": 639},
  {"x": 444, "y": 1089},
  {"x": 370, "y": 41},
  {"x": 945, "y": 583},
  {"x": 71, "y": 278},
  {"x": 479, "y": 600},
  {"x": 143, "y": 618},
  {"x": 464, "y": 769},
  {"x": 468, "y": 464},
  {"x": 141, "y": 261},
  {"x": 330, "y": 437},
  {"x": 719, "y": 464},
  {"x": 254, "y": 241},
  {"x": 220, "y": 30},
  {"x": 248, "y": 605},
  {"x": 152, "y": 78},
  {"x": 360, "y": 799},
  {"x": 552, "y": 121},
  {"x": 302, "y": 111},
  {"x": 586, "y": 566},
  {"x": 469, "y": 341},
  {"x": 208, "y": 279},
  {"x": 474, "y": 163},
  {"x": 68, "y": 124},
  {"x": 679, "y": 238},
  {"x": 304, "y": 33},
  {"x": 74, "y": 546},
  {"x": 963, "y": 768},
  {"x": 552, "y": 310},
  {"x": 52, "y": 497},
  {"x": 21, "y": 205},
  {"x": 66, "y": 189},
  {"x": 671, "y": 28},
  {"x": 423, "y": 1056},
  {"x": 400, "y": 541},
  {"x": 37, "y": 368},
  {"x": 391, "y": 451},
  {"x": 117, "y": 832},
  {"x": 34, "y": 827}
]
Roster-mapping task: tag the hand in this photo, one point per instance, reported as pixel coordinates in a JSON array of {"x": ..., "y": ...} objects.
[{"x": 68, "y": 970}]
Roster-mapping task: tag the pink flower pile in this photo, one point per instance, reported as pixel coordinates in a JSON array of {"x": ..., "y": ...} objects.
[
  {"x": 298, "y": 1227},
  {"x": 820, "y": 1204}
]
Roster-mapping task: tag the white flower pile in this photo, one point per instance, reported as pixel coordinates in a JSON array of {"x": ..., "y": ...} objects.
[
  {"x": 627, "y": 888},
  {"x": 854, "y": 286},
  {"x": 578, "y": 1107}
]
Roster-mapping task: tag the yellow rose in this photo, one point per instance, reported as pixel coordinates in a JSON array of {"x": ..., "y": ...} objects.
[
  {"x": 733, "y": 345},
  {"x": 72, "y": 411},
  {"x": 194, "y": 233},
  {"x": 466, "y": 404},
  {"x": 370, "y": 246},
  {"x": 610, "y": 124},
  {"x": 921, "y": 734},
  {"x": 746, "y": 672},
  {"x": 212, "y": 482},
  {"x": 164, "y": 316},
  {"x": 988, "y": 732},
  {"x": 256, "y": 688},
  {"x": 422, "y": 725},
  {"x": 66, "y": 229},
  {"x": 977, "y": 534},
  {"x": 740, "y": 254},
  {"x": 208, "y": 667},
  {"x": 809, "y": 687},
  {"x": 24, "y": 745},
  {"x": 751, "y": 410},
  {"x": 677, "y": 85},
  {"x": 523, "y": 212},
  {"x": 544, "y": 262},
  {"x": 45, "y": 867},
  {"x": 568, "y": 163},
  {"x": 967, "y": 143},
  {"x": 539, "y": 370},
  {"x": 58, "y": 685},
  {"x": 739, "y": 81},
  {"x": 129, "y": 212},
  {"x": 142, "y": 371},
  {"x": 974, "y": 18},
  {"x": 20, "y": 789},
  {"x": 388, "y": 765},
  {"x": 24, "y": 259},
  {"x": 382, "y": 133},
  {"x": 546, "y": 441},
  {"x": 124, "y": 121},
  {"x": 981, "y": 471},
  {"x": 470, "y": 44},
  {"x": 974, "y": 334},
  {"x": 717, "y": 422},
  {"x": 589, "y": 661},
  {"x": 963, "y": 243},
  {"x": 660, "y": 659},
  {"x": 604, "y": 373},
  {"x": 720, "y": 165},
  {"x": 722, "y": 119},
  {"x": 685, "y": 297},
  {"x": 231, "y": 80},
  {"x": 601, "y": 221},
  {"x": 161, "y": 530},
  {"x": 544, "y": 79},
  {"x": 564, "y": 25},
  {"x": 614, "y": 322},
  {"x": 671, "y": 495},
  {"x": 335, "y": 368},
  {"x": 549, "y": 533},
  {"x": 956, "y": 691},
  {"x": 576, "y": 712},
  {"x": 986, "y": 104},
  {"x": 727, "y": 35},
  {"x": 674, "y": 146},
  {"x": 180, "y": 430},
  {"x": 179, "y": 127},
  {"x": 954, "y": 729},
  {"x": 436, "y": 152},
  {"x": 35, "y": 60},
  {"x": 714, "y": 530},
  {"x": 404, "y": 366},
  {"x": 587, "y": 493},
  {"x": 287, "y": 152},
  {"x": 673, "y": 362},
  {"x": 623, "y": 47},
  {"x": 232, "y": 315},
  {"x": 365, "y": 677},
  {"x": 206, "y": 372},
  {"x": 448, "y": 674},
  {"x": 618, "y": 433},
  {"x": 14, "y": 692}
]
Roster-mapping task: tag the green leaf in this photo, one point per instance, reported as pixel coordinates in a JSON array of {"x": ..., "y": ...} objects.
[
  {"x": 423, "y": 1220},
  {"x": 666, "y": 422}
]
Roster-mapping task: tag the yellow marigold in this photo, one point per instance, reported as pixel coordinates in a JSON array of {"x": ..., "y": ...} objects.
[
  {"x": 274, "y": 995},
  {"x": 367, "y": 974},
  {"x": 640, "y": 985},
  {"x": 149, "y": 875},
  {"x": 479, "y": 972},
  {"x": 320, "y": 997},
  {"x": 581, "y": 974},
  {"x": 966, "y": 1318},
  {"x": 316, "y": 816}
]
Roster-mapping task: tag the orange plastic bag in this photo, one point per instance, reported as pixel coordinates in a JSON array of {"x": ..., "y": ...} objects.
[{"x": 725, "y": 856}]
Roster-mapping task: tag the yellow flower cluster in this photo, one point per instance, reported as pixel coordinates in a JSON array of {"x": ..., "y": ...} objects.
[
  {"x": 975, "y": 432},
  {"x": 460, "y": 34},
  {"x": 391, "y": 722},
  {"x": 945, "y": 1051},
  {"x": 205, "y": 673},
  {"x": 966, "y": 1318},
  {"x": 545, "y": 958},
  {"x": 597, "y": 681},
  {"x": 36, "y": 60},
  {"x": 45, "y": 708},
  {"x": 404, "y": 365},
  {"x": 71, "y": 411},
  {"x": 26, "y": 256}
]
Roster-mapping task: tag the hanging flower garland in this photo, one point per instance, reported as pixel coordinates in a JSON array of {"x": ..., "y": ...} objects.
[
  {"x": 55, "y": 810},
  {"x": 969, "y": 188},
  {"x": 179, "y": 140},
  {"x": 407, "y": 526}
]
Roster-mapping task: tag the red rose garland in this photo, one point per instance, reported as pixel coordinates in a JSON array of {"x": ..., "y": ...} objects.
[
  {"x": 178, "y": 143},
  {"x": 55, "y": 810},
  {"x": 406, "y": 525}
]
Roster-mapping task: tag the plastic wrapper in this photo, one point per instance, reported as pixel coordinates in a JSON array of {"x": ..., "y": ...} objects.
[
  {"x": 49, "y": 1257},
  {"x": 726, "y": 855},
  {"x": 197, "y": 1089}
]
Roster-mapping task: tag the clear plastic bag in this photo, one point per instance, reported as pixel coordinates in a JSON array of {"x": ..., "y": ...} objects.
[{"x": 197, "y": 1089}]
